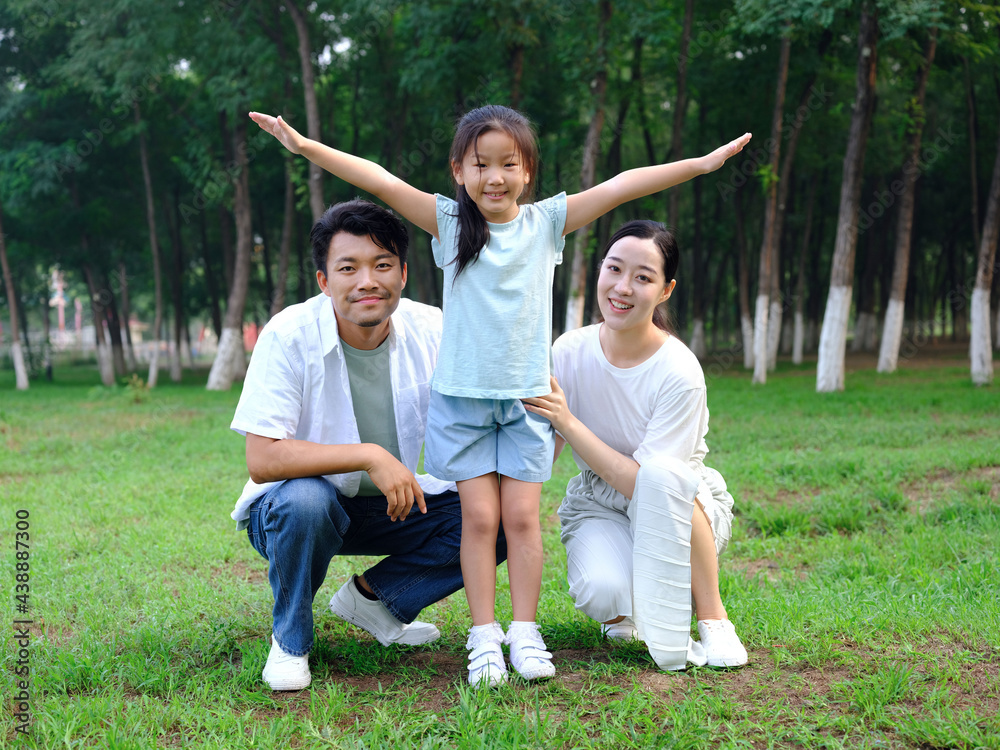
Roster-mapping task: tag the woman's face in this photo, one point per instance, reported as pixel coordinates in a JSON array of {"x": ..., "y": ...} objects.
[{"x": 631, "y": 283}]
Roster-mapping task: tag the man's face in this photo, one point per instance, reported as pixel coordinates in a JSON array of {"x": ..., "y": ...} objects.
[{"x": 363, "y": 282}]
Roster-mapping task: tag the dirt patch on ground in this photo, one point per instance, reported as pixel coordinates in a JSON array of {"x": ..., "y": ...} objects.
[{"x": 925, "y": 493}]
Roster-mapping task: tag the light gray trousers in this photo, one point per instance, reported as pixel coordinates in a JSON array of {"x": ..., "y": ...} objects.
[{"x": 633, "y": 559}]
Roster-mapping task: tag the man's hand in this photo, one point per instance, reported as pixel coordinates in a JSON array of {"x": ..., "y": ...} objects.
[
  {"x": 285, "y": 133},
  {"x": 399, "y": 486}
]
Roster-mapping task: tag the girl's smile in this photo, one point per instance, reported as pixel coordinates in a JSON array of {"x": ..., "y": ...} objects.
[{"x": 493, "y": 175}]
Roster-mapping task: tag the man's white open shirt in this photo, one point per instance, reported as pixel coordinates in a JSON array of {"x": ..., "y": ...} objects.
[{"x": 297, "y": 387}]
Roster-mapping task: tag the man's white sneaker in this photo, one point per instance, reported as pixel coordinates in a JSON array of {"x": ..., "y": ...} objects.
[
  {"x": 623, "y": 630},
  {"x": 527, "y": 651},
  {"x": 372, "y": 616},
  {"x": 723, "y": 647},
  {"x": 486, "y": 665},
  {"x": 284, "y": 671}
]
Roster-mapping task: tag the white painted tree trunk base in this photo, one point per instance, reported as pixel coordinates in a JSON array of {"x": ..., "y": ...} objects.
[
  {"x": 105, "y": 365},
  {"x": 773, "y": 333},
  {"x": 154, "y": 366},
  {"x": 574, "y": 313},
  {"x": 760, "y": 341},
  {"x": 980, "y": 348},
  {"x": 892, "y": 336},
  {"x": 798, "y": 338},
  {"x": 746, "y": 326},
  {"x": 20, "y": 370},
  {"x": 175, "y": 364},
  {"x": 229, "y": 360},
  {"x": 833, "y": 341},
  {"x": 698, "y": 345}
]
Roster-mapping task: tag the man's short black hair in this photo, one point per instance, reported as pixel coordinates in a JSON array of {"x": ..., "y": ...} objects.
[{"x": 362, "y": 219}]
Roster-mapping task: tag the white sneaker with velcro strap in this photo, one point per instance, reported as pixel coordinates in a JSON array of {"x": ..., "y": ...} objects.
[
  {"x": 486, "y": 664},
  {"x": 527, "y": 651}
]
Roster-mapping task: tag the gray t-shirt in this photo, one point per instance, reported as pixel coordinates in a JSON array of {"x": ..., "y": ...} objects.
[{"x": 371, "y": 393}]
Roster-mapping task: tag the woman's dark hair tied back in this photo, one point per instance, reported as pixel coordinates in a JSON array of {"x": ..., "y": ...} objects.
[{"x": 666, "y": 242}]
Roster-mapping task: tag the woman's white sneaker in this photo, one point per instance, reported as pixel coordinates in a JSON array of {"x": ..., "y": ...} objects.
[
  {"x": 623, "y": 630},
  {"x": 723, "y": 647}
]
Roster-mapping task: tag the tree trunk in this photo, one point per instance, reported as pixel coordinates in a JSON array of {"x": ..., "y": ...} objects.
[
  {"x": 312, "y": 107},
  {"x": 769, "y": 243},
  {"x": 680, "y": 110},
  {"x": 892, "y": 330},
  {"x": 127, "y": 317},
  {"x": 980, "y": 348},
  {"x": 285, "y": 251},
  {"x": 799, "y": 332},
  {"x": 699, "y": 261},
  {"x": 865, "y": 323},
  {"x": 833, "y": 337},
  {"x": 746, "y": 322},
  {"x": 230, "y": 360},
  {"x": 970, "y": 103},
  {"x": 104, "y": 360},
  {"x": 591, "y": 150},
  {"x": 211, "y": 281},
  {"x": 20, "y": 370},
  {"x": 155, "y": 248},
  {"x": 176, "y": 269}
]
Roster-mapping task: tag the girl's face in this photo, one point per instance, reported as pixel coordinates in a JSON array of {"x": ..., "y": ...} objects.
[
  {"x": 493, "y": 175},
  {"x": 631, "y": 283}
]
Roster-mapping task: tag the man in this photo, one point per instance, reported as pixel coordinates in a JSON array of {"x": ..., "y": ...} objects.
[{"x": 333, "y": 409}]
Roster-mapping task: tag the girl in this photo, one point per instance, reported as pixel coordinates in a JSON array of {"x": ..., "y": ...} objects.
[
  {"x": 645, "y": 520},
  {"x": 499, "y": 255}
]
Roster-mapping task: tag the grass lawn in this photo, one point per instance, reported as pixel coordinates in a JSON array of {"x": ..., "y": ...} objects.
[{"x": 862, "y": 577}]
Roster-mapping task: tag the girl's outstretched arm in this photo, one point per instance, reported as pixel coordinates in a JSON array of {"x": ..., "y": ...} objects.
[
  {"x": 414, "y": 205},
  {"x": 583, "y": 208}
]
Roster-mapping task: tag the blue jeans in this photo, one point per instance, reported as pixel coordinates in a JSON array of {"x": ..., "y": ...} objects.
[{"x": 301, "y": 524}]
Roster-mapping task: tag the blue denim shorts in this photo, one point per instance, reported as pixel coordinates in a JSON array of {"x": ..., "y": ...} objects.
[{"x": 469, "y": 437}]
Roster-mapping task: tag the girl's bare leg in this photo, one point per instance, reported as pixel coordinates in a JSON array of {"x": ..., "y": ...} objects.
[
  {"x": 519, "y": 503},
  {"x": 480, "y": 499},
  {"x": 705, "y": 568}
]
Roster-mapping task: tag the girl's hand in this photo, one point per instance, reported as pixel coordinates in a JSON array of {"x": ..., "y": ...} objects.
[
  {"x": 553, "y": 406},
  {"x": 717, "y": 158},
  {"x": 280, "y": 129}
]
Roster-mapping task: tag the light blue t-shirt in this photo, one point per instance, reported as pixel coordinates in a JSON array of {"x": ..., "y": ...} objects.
[{"x": 498, "y": 313}]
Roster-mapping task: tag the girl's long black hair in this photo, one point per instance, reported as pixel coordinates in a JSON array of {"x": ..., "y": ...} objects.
[{"x": 473, "y": 232}]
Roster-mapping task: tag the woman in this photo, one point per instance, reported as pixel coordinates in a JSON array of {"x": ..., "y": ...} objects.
[{"x": 644, "y": 522}]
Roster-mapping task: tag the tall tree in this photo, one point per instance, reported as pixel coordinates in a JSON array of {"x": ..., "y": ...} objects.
[
  {"x": 230, "y": 360},
  {"x": 591, "y": 150},
  {"x": 833, "y": 336},
  {"x": 980, "y": 349},
  {"x": 892, "y": 330},
  {"x": 20, "y": 371},
  {"x": 316, "y": 202},
  {"x": 769, "y": 244}
]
